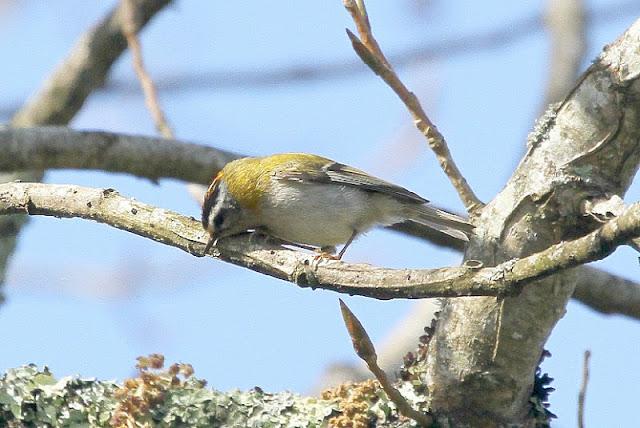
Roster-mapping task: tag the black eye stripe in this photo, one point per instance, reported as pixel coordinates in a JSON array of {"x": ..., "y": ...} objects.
[{"x": 219, "y": 219}]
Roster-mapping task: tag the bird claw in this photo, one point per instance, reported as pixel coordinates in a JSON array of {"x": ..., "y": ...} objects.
[
  {"x": 325, "y": 256},
  {"x": 326, "y": 253}
]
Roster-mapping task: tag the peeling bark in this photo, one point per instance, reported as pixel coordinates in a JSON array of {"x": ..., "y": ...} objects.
[{"x": 482, "y": 358}]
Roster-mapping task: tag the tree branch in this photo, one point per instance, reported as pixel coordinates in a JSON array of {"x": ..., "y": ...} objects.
[
  {"x": 186, "y": 233},
  {"x": 149, "y": 157},
  {"x": 153, "y": 158},
  {"x": 130, "y": 31},
  {"x": 583, "y": 149},
  {"x": 64, "y": 93},
  {"x": 85, "y": 69},
  {"x": 60, "y": 147},
  {"x": 582, "y": 395},
  {"x": 607, "y": 293},
  {"x": 366, "y": 351},
  {"x": 369, "y": 52},
  {"x": 566, "y": 23}
]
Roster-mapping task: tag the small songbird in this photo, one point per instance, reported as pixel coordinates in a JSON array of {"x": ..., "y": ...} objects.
[{"x": 313, "y": 201}]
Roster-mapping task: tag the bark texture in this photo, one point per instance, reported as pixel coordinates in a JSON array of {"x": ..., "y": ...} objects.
[
  {"x": 482, "y": 358},
  {"x": 51, "y": 147},
  {"x": 304, "y": 269}
]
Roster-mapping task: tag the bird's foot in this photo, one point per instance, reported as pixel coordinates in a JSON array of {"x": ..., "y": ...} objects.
[{"x": 326, "y": 253}]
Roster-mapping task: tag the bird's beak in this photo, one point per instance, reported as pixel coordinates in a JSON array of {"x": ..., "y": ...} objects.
[{"x": 212, "y": 240}]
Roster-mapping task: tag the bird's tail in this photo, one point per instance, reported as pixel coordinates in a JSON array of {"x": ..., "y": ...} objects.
[{"x": 450, "y": 224}]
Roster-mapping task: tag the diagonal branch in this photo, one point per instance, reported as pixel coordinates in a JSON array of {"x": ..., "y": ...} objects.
[
  {"x": 369, "y": 51},
  {"x": 365, "y": 350},
  {"x": 64, "y": 93},
  {"x": 106, "y": 206},
  {"x": 85, "y": 69},
  {"x": 130, "y": 31}
]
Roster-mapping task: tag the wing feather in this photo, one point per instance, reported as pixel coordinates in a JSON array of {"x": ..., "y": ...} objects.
[{"x": 334, "y": 172}]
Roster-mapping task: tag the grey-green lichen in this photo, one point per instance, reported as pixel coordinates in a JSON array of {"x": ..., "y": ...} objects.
[
  {"x": 541, "y": 128},
  {"x": 33, "y": 397},
  {"x": 160, "y": 396}
]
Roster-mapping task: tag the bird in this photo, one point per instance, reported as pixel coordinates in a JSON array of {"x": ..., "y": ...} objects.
[{"x": 312, "y": 201}]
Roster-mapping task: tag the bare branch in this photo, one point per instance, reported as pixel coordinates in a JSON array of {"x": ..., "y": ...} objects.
[
  {"x": 566, "y": 21},
  {"x": 368, "y": 50},
  {"x": 400, "y": 339},
  {"x": 106, "y": 206},
  {"x": 85, "y": 69},
  {"x": 130, "y": 31},
  {"x": 59, "y": 147},
  {"x": 583, "y": 388},
  {"x": 585, "y": 148},
  {"x": 153, "y": 158},
  {"x": 364, "y": 348},
  {"x": 607, "y": 293},
  {"x": 64, "y": 93}
]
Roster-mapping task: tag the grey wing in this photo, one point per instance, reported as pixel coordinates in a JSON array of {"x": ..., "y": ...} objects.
[{"x": 343, "y": 174}]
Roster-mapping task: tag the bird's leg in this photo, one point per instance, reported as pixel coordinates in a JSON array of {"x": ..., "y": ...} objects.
[
  {"x": 327, "y": 252},
  {"x": 353, "y": 236}
]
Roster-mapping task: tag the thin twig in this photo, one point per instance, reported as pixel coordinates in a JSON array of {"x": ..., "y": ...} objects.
[
  {"x": 365, "y": 350},
  {"x": 129, "y": 29},
  {"x": 358, "y": 12},
  {"x": 583, "y": 388},
  {"x": 369, "y": 51},
  {"x": 84, "y": 69}
]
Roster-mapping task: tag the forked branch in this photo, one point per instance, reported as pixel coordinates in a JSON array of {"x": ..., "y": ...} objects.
[{"x": 369, "y": 51}]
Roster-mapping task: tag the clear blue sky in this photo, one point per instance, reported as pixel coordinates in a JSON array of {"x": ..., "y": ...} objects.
[{"x": 85, "y": 298}]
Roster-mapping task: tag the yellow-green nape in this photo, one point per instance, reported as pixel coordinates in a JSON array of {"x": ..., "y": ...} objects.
[
  {"x": 294, "y": 161},
  {"x": 248, "y": 179}
]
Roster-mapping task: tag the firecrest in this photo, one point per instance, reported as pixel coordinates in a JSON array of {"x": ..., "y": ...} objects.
[{"x": 310, "y": 200}]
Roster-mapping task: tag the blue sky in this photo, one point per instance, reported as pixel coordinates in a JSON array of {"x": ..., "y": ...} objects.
[{"x": 85, "y": 298}]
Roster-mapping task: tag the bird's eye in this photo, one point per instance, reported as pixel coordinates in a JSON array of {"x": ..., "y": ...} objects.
[{"x": 218, "y": 220}]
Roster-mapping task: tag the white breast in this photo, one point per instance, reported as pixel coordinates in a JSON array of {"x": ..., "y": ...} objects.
[{"x": 322, "y": 214}]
